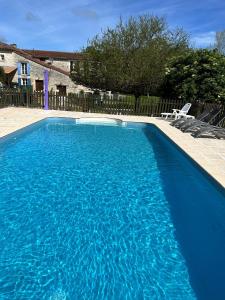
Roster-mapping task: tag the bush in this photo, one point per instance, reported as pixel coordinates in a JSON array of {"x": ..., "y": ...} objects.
[{"x": 196, "y": 75}]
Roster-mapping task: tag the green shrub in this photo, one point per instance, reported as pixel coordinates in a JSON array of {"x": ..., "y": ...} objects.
[{"x": 196, "y": 75}]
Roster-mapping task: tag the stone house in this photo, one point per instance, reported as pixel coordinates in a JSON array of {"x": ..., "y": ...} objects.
[{"x": 26, "y": 68}]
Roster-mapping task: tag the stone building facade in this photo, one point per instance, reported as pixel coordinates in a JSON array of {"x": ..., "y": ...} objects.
[{"x": 26, "y": 68}]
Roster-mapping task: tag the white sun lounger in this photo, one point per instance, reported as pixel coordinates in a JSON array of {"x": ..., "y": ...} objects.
[{"x": 179, "y": 113}]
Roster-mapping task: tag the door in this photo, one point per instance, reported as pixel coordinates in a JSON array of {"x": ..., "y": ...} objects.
[
  {"x": 39, "y": 85},
  {"x": 61, "y": 90}
]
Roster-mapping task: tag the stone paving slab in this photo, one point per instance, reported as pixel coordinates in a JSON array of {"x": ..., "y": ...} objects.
[{"x": 208, "y": 153}]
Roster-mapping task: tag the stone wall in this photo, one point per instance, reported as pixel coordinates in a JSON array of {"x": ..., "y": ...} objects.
[
  {"x": 9, "y": 59},
  {"x": 62, "y": 64}
]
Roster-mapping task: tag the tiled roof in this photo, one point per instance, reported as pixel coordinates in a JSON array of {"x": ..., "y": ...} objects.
[
  {"x": 4, "y": 46},
  {"x": 55, "y": 54},
  {"x": 9, "y": 70}
]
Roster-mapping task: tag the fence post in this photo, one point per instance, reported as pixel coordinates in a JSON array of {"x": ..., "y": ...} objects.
[
  {"x": 85, "y": 103},
  {"x": 137, "y": 104},
  {"x": 45, "y": 89}
]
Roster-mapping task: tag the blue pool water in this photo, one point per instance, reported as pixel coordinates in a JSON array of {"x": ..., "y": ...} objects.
[{"x": 107, "y": 212}]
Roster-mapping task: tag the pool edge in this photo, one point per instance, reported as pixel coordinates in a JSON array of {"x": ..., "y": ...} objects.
[{"x": 36, "y": 115}]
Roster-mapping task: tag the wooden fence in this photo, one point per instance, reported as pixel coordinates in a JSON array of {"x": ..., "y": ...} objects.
[
  {"x": 125, "y": 105},
  {"x": 119, "y": 105}
]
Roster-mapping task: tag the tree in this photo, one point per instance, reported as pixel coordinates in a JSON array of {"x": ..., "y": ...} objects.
[
  {"x": 220, "y": 42},
  {"x": 196, "y": 75},
  {"x": 130, "y": 58},
  {"x": 2, "y": 75}
]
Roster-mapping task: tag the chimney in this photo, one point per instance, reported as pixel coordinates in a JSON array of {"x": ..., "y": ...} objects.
[{"x": 14, "y": 45}]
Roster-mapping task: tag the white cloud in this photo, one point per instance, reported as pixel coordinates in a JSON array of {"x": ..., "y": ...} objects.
[
  {"x": 85, "y": 13},
  {"x": 205, "y": 39},
  {"x": 2, "y": 38}
]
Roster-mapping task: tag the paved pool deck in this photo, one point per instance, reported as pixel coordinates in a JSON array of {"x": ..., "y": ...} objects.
[{"x": 208, "y": 153}]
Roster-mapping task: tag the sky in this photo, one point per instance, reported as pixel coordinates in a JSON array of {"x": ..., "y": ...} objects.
[{"x": 68, "y": 24}]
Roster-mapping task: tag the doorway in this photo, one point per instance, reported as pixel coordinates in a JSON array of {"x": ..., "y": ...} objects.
[
  {"x": 39, "y": 85},
  {"x": 61, "y": 90}
]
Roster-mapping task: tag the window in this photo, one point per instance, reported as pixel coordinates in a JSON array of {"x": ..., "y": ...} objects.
[
  {"x": 2, "y": 56},
  {"x": 72, "y": 66},
  {"x": 75, "y": 65},
  {"x": 61, "y": 89},
  {"x": 24, "y": 81},
  {"x": 24, "y": 68}
]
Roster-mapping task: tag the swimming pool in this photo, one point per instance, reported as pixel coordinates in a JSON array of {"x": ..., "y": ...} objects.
[{"x": 106, "y": 212}]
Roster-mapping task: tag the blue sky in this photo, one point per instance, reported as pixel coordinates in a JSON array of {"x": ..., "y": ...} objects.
[{"x": 68, "y": 24}]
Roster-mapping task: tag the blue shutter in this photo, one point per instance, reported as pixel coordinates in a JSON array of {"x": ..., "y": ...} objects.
[
  {"x": 28, "y": 69},
  {"x": 28, "y": 74},
  {"x": 19, "y": 73}
]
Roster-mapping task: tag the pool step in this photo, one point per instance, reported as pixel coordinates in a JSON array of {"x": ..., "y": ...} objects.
[{"x": 101, "y": 121}]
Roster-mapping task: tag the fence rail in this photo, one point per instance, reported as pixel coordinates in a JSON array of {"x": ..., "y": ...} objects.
[{"x": 123, "y": 105}]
